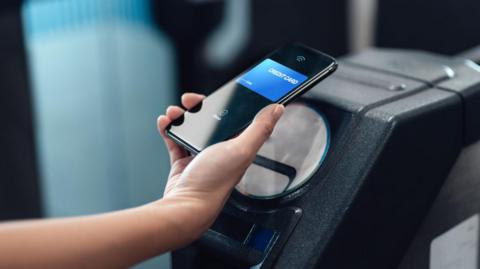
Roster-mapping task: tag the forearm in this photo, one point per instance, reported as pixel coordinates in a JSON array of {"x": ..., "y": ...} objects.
[{"x": 114, "y": 240}]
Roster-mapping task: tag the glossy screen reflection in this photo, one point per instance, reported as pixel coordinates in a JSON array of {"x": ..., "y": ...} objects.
[
  {"x": 223, "y": 114},
  {"x": 297, "y": 148},
  {"x": 231, "y": 108},
  {"x": 278, "y": 78}
]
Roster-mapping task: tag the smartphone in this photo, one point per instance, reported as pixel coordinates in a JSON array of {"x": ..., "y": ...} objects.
[{"x": 280, "y": 77}]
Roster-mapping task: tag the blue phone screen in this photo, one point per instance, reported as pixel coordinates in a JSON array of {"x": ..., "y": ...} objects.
[{"x": 271, "y": 80}]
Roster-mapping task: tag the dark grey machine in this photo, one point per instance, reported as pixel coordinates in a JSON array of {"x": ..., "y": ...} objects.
[{"x": 393, "y": 123}]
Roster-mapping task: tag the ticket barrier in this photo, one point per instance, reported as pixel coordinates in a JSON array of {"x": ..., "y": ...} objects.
[{"x": 351, "y": 168}]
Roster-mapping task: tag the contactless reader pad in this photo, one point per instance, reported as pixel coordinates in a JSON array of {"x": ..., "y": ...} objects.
[{"x": 287, "y": 160}]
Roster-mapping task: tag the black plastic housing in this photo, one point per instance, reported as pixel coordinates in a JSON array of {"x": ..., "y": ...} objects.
[{"x": 399, "y": 120}]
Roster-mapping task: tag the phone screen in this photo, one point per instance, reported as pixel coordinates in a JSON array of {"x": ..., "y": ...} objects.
[
  {"x": 272, "y": 80},
  {"x": 275, "y": 79}
]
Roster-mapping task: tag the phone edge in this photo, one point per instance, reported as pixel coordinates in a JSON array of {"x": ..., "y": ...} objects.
[{"x": 284, "y": 101}]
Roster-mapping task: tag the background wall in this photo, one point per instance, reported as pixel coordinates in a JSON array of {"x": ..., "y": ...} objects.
[{"x": 100, "y": 75}]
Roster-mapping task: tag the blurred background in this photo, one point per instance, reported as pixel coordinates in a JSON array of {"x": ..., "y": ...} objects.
[{"x": 83, "y": 81}]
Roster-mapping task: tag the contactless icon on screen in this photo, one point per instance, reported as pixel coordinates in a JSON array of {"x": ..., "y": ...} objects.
[{"x": 301, "y": 58}]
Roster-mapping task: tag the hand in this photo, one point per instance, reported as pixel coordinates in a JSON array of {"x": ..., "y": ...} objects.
[
  {"x": 202, "y": 184},
  {"x": 196, "y": 191}
]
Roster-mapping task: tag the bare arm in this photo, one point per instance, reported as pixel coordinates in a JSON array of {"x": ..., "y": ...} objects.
[
  {"x": 195, "y": 193},
  {"x": 113, "y": 240}
]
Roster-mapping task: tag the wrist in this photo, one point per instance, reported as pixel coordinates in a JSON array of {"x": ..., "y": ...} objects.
[{"x": 188, "y": 217}]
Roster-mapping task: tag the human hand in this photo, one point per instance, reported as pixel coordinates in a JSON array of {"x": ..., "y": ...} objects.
[
  {"x": 196, "y": 191},
  {"x": 201, "y": 184}
]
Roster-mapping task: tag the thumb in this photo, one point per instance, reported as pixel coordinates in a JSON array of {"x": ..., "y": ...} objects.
[{"x": 253, "y": 137}]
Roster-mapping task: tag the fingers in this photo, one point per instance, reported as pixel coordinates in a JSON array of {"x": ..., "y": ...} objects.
[
  {"x": 260, "y": 129},
  {"x": 190, "y": 99},
  {"x": 174, "y": 112},
  {"x": 174, "y": 151},
  {"x": 162, "y": 123}
]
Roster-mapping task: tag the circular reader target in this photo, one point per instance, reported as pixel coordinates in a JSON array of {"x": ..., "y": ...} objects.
[{"x": 293, "y": 153}]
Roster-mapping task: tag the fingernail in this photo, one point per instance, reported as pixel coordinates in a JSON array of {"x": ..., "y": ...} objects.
[{"x": 278, "y": 111}]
